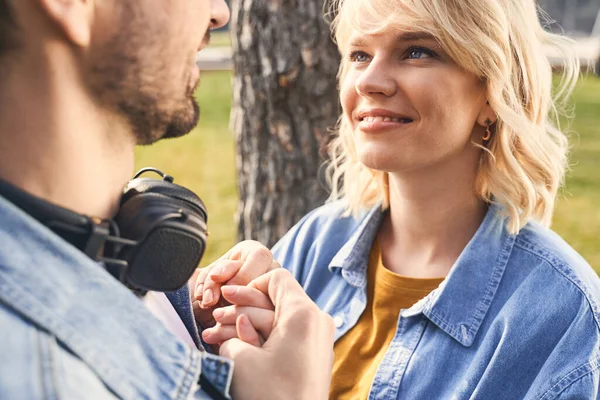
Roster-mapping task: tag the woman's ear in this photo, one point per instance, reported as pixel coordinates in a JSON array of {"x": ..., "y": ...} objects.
[
  {"x": 486, "y": 116},
  {"x": 72, "y": 17}
]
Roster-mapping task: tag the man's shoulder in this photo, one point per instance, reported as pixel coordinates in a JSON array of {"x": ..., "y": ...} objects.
[
  {"x": 76, "y": 310},
  {"x": 36, "y": 365}
]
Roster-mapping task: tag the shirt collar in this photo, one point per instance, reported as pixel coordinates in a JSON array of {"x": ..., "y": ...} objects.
[
  {"x": 462, "y": 301},
  {"x": 353, "y": 257},
  {"x": 460, "y": 304}
]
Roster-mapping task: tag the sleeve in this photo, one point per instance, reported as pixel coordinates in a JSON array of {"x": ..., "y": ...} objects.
[
  {"x": 215, "y": 372},
  {"x": 215, "y": 377},
  {"x": 581, "y": 384},
  {"x": 180, "y": 299}
]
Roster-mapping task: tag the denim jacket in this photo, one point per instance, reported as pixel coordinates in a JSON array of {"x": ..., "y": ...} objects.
[
  {"x": 516, "y": 318},
  {"x": 69, "y": 330}
]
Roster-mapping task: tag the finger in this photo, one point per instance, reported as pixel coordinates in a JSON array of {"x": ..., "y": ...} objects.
[
  {"x": 203, "y": 316},
  {"x": 192, "y": 282},
  {"x": 224, "y": 270},
  {"x": 219, "y": 271},
  {"x": 258, "y": 262},
  {"x": 212, "y": 293},
  {"x": 246, "y": 296},
  {"x": 281, "y": 287},
  {"x": 199, "y": 290},
  {"x": 204, "y": 320},
  {"x": 199, "y": 287},
  {"x": 246, "y": 331},
  {"x": 252, "y": 269},
  {"x": 242, "y": 250},
  {"x": 219, "y": 333},
  {"x": 261, "y": 320},
  {"x": 237, "y": 350}
]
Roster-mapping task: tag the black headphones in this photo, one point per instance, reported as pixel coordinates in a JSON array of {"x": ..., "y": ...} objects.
[{"x": 155, "y": 242}]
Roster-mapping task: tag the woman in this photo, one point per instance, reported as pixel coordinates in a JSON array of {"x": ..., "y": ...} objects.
[{"x": 435, "y": 260}]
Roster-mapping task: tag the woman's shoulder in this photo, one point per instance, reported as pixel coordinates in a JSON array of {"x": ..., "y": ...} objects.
[
  {"x": 551, "y": 248},
  {"x": 548, "y": 254},
  {"x": 318, "y": 237},
  {"x": 328, "y": 223}
]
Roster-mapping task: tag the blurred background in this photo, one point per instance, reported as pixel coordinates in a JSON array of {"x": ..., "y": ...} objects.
[{"x": 205, "y": 160}]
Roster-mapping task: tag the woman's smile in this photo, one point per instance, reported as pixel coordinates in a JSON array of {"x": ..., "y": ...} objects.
[{"x": 376, "y": 120}]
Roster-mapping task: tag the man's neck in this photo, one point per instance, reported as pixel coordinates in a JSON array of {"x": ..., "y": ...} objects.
[{"x": 57, "y": 144}]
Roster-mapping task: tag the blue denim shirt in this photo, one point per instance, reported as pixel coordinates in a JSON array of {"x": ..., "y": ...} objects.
[
  {"x": 69, "y": 330},
  {"x": 516, "y": 318}
]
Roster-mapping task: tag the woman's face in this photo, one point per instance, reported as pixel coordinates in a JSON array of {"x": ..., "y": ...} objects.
[{"x": 410, "y": 106}]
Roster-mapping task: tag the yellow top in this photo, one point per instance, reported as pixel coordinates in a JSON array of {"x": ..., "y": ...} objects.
[{"x": 359, "y": 352}]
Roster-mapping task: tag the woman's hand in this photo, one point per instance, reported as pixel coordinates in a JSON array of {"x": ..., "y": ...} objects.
[
  {"x": 239, "y": 266},
  {"x": 249, "y": 318}
]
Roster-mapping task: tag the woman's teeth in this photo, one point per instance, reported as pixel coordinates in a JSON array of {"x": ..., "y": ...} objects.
[{"x": 386, "y": 119}]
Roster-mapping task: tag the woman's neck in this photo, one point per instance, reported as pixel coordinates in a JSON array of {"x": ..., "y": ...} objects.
[{"x": 429, "y": 225}]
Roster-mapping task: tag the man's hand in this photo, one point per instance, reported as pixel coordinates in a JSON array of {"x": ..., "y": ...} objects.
[{"x": 295, "y": 361}]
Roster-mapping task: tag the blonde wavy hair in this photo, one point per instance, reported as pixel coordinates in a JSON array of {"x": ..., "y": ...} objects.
[{"x": 501, "y": 42}]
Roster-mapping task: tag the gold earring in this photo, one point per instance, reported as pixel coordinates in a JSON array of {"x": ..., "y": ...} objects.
[{"x": 488, "y": 132}]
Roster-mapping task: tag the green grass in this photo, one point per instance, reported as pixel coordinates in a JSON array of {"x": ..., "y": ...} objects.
[
  {"x": 205, "y": 162},
  {"x": 577, "y": 217},
  {"x": 220, "y": 39}
]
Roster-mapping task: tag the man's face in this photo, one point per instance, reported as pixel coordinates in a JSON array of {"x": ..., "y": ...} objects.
[{"x": 142, "y": 61}]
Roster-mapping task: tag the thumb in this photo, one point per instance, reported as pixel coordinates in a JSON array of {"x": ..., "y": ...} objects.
[
  {"x": 237, "y": 350},
  {"x": 246, "y": 330}
]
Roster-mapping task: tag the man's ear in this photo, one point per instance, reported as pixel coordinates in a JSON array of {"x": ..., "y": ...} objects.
[{"x": 72, "y": 17}]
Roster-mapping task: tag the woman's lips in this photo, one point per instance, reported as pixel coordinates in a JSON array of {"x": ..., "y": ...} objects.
[{"x": 374, "y": 124}]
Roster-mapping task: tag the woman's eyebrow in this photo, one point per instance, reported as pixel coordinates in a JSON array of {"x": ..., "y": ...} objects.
[
  {"x": 361, "y": 41},
  {"x": 412, "y": 36},
  {"x": 357, "y": 42}
]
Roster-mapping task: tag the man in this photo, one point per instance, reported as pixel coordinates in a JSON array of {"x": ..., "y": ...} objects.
[{"x": 81, "y": 83}]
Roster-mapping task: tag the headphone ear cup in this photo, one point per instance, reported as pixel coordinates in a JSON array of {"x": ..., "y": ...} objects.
[
  {"x": 168, "y": 189},
  {"x": 171, "y": 239}
]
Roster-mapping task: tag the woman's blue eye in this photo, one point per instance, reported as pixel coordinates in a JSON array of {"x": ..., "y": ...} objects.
[
  {"x": 359, "y": 56},
  {"x": 417, "y": 53}
]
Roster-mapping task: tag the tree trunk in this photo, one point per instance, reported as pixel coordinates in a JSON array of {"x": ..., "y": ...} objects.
[{"x": 285, "y": 99}]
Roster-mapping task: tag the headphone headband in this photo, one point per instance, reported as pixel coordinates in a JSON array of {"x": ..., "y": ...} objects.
[{"x": 155, "y": 242}]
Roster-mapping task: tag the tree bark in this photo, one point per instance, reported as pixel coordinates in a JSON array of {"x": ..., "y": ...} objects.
[{"x": 285, "y": 99}]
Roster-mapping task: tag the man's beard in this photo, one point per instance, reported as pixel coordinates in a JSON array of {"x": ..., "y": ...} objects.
[{"x": 136, "y": 80}]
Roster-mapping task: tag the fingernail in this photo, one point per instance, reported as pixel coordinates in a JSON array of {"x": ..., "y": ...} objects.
[
  {"x": 199, "y": 291},
  {"x": 218, "y": 313},
  {"x": 228, "y": 290},
  {"x": 216, "y": 271},
  {"x": 244, "y": 321},
  {"x": 208, "y": 296}
]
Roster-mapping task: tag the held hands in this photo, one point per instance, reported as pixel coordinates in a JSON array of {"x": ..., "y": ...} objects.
[
  {"x": 250, "y": 317},
  {"x": 295, "y": 361},
  {"x": 238, "y": 267},
  {"x": 280, "y": 341}
]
